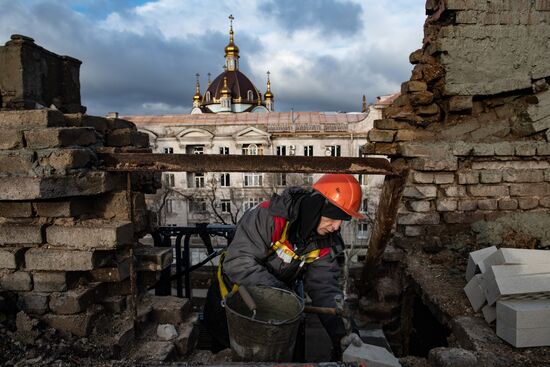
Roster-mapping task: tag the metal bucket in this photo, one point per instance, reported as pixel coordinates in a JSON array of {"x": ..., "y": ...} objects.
[{"x": 269, "y": 336}]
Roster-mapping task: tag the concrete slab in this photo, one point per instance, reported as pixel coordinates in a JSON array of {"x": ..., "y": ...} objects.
[
  {"x": 475, "y": 292},
  {"x": 151, "y": 258},
  {"x": 21, "y": 232},
  {"x": 502, "y": 271},
  {"x": 12, "y": 257},
  {"x": 372, "y": 355},
  {"x": 16, "y": 281},
  {"x": 475, "y": 261},
  {"x": 79, "y": 324},
  {"x": 188, "y": 335},
  {"x": 534, "y": 286},
  {"x": 516, "y": 256},
  {"x": 112, "y": 274},
  {"x": 50, "y": 281},
  {"x": 76, "y": 300},
  {"x": 489, "y": 313},
  {"x": 91, "y": 234},
  {"x": 64, "y": 260},
  {"x": 374, "y": 335},
  {"x": 522, "y": 338},
  {"x": 170, "y": 309},
  {"x": 53, "y": 187},
  {"x": 524, "y": 314},
  {"x": 33, "y": 302}
]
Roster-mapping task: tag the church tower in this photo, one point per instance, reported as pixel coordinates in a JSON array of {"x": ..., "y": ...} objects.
[{"x": 232, "y": 91}]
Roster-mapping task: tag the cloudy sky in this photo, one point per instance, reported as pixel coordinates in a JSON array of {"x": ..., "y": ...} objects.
[{"x": 140, "y": 57}]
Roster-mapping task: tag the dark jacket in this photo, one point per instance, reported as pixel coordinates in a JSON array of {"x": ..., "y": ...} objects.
[{"x": 247, "y": 260}]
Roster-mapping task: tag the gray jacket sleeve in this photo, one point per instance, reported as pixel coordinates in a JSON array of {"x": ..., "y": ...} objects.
[{"x": 244, "y": 260}]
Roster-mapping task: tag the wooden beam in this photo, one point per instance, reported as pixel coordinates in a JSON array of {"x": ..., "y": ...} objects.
[
  {"x": 129, "y": 162},
  {"x": 384, "y": 222}
]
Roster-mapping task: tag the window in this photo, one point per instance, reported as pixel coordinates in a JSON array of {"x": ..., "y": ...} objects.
[
  {"x": 308, "y": 151},
  {"x": 253, "y": 179},
  {"x": 168, "y": 150},
  {"x": 362, "y": 230},
  {"x": 169, "y": 180},
  {"x": 281, "y": 150},
  {"x": 251, "y": 202},
  {"x": 281, "y": 179},
  {"x": 333, "y": 150},
  {"x": 207, "y": 96},
  {"x": 308, "y": 179},
  {"x": 250, "y": 95},
  {"x": 253, "y": 149},
  {"x": 199, "y": 179},
  {"x": 199, "y": 149},
  {"x": 225, "y": 180},
  {"x": 198, "y": 205},
  {"x": 225, "y": 206},
  {"x": 224, "y": 150},
  {"x": 364, "y": 205},
  {"x": 364, "y": 180},
  {"x": 170, "y": 206}
]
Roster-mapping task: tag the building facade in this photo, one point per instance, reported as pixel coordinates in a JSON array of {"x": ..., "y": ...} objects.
[{"x": 233, "y": 117}]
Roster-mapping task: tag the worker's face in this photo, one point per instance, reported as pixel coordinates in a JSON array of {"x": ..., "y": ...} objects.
[{"x": 328, "y": 225}]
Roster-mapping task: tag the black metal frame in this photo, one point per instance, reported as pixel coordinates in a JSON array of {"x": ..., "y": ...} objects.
[{"x": 163, "y": 238}]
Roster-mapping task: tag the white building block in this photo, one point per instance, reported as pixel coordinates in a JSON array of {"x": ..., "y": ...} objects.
[
  {"x": 475, "y": 292},
  {"x": 371, "y": 355},
  {"x": 516, "y": 256},
  {"x": 475, "y": 261},
  {"x": 521, "y": 338},
  {"x": 502, "y": 271},
  {"x": 537, "y": 285},
  {"x": 525, "y": 314},
  {"x": 489, "y": 313}
]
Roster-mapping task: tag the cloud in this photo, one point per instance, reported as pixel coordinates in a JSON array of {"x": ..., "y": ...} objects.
[
  {"x": 141, "y": 57},
  {"x": 332, "y": 17}
]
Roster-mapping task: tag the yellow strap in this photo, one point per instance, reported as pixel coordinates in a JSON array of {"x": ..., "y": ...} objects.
[
  {"x": 306, "y": 258},
  {"x": 223, "y": 287},
  {"x": 283, "y": 235}
]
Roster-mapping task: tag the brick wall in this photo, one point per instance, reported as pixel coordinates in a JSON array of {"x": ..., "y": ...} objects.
[
  {"x": 65, "y": 224},
  {"x": 473, "y": 123}
]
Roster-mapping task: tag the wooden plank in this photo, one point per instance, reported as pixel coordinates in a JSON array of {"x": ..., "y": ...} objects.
[
  {"x": 390, "y": 197},
  {"x": 127, "y": 162}
]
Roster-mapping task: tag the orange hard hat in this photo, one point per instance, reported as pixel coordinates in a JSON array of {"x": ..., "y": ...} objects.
[{"x": 342, "y": 190}]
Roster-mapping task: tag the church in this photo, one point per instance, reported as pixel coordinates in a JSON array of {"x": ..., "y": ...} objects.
[
  {"x": 233, "y": 117},
  {"x": 232, "y": 91}
]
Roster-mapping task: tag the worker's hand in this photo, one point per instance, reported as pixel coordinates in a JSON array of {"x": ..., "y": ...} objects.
[{"x": 351, "y": 338}]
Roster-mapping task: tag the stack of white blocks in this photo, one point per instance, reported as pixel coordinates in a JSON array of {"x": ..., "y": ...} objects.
[{"x": 512, "y": 286}]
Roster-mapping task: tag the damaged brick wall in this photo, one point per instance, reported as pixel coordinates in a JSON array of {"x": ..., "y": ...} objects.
[
  {"x": 473, "y": 126},
  {"x": 66, "y": 227},
  {"x": 32, "y": 75},
  {"x": 69, "y": 228}
]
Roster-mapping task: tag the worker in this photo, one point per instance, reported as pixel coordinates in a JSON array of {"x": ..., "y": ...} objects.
[{"x": 293, "y": 237}]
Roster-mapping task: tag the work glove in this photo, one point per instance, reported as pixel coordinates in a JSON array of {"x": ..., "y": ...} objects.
[{"x": 349, "y": 339}]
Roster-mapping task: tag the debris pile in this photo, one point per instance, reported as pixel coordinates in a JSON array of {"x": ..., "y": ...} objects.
[{"x": 512, "y": 287}]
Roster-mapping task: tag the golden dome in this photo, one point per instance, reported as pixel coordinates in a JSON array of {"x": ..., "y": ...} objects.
[
  {"x": 197, "y": 97},
  {"x": 225, "y": 92},
  {"x": 268, "y": 94},
  {"x": 231, "y": 49}
]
